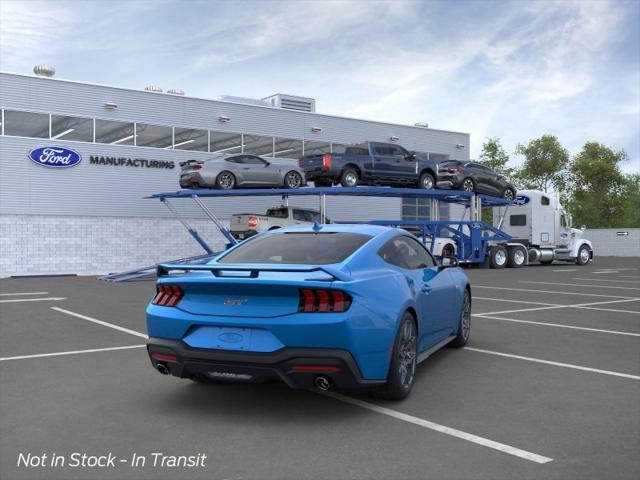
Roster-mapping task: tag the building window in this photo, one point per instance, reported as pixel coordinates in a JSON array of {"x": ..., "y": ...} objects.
[
  {"x": 226, "y": 143},
  {"x": 115, "y": 133},
  {"x": 258, "y": 145},
  {"x": 419, "y": 209},
  {"x": 71, "y": 128},
  {"x": 26, "y": 124},
  {"x": 287, "y": 148},
  {"x": 157, "y": 136},
  {"x": 316, "y": 148},
  {"x": 191, "y": 139}
]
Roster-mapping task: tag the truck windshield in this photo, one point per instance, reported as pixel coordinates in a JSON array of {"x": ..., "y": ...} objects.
[
  {"x": 305, "y": 248},
  {"x": 278, "y": 212}
]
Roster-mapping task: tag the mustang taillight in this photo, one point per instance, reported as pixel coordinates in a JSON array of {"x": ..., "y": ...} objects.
[
  {"x": 326, "y": 161},
  {"x": 324, "y": 301},
  {"x": 167, "y": 295},
  {"x": 252, "y": 222}
]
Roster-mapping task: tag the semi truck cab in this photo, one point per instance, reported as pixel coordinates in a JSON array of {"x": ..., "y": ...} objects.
[{"x": 538, "y": 222}]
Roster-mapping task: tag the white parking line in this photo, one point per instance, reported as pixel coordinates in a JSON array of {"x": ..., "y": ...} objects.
[
  {"x": 578, "y": 305},
  {"x": 629, "y": 276},
  {"x": 514, "y": 301},
  {"x": 567, "y": 270},
  {"x": 607, "y": 280},
  {"x": 580, "y": 285},
  {"x": 606, "y": 271},
  {"x": 545, "y": 324},
  {"x": 100, "y": 322},
  {"x": 19, "y": 300},
  {"x": 557, "y": 364},
  {"x": 72, "y": 352},
  {"x": 528, "y": 290},
  {"x": 23, "y": 293},
  {"x": 485, "y": 442}
]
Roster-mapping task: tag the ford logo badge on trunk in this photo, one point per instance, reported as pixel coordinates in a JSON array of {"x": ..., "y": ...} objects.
[{"x": 55, "y": 157}]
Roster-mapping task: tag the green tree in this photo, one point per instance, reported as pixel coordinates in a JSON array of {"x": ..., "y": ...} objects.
[
  {"x": 545, "y": 164},
  {"x": 495, "y": 157},
  {"x": 631, "y": 211},
  {"x": 598, "y": 192}
]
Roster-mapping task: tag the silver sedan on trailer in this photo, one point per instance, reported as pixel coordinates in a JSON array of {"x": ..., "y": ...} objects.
[{"x": 244, "y": 170}]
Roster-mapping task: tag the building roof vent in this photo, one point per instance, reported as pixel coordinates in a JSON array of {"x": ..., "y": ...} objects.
[
  {"x": 292, "y": 102},
  {"x": 44, "y": 71},
  {"x": 153, "y": 88},
  {"x": 175, "y": 91},
  {"x": 421, "y": 124}
]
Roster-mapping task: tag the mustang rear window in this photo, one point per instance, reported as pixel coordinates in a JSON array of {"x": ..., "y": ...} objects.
[{"x": 298, "y": 248}]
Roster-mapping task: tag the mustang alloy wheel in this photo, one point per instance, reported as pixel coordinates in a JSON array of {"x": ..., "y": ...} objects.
[
  {"x": 464, "y": 330},
  {"x": 226, "y": 180},
  {"x": 293, "y": 180},
  {"x": 404, "y": 359}
]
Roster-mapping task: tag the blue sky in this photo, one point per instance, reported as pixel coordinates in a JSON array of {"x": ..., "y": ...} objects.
[{"x": 511, "y": 69}]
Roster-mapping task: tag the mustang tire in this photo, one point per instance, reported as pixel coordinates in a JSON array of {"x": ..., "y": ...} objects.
[
  {"x": 464, "y": 328},
  {"x": 293, "y": 179},
  {"x": 508, "y": 194},
  {"x": 404, "y": 359},
  {"x": 226, "y": 180}
]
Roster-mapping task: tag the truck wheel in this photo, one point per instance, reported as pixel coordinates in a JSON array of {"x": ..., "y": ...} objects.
[
  {"x": 404, "y": 358},
  {"x": 517, "y": 257},
  {"x": 468, "y": 185},
  {"x": 426, "y": 181},
  {"x": 499, "y": 257},
  {"x": 226, "y": 180},
  {"x": 584, "y": 255},
  {"x": 349, "y": 178}
]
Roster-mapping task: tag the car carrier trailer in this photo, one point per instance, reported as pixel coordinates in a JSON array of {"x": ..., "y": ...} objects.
[{"x": 470, "y": 240}]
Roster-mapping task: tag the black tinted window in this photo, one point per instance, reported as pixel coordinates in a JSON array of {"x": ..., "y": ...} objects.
[
  {"x": 356, "y": 151},
  {"x": 544, "y": 201},
  {"x": 235, "y": 159},
  {"x": 300, "y": 215},
  {"x": 278, "y": 212},
  {"x": 518, "y": 220},
  {"x": 405, "y": 252},
  {"x": 253, "y": 160},
  {"x": 298, "y": 248}
]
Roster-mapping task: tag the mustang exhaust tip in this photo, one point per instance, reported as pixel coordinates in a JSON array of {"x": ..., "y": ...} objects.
[
  {"x": 322, "y": 383},
  {"x": 163, "y": 369}
]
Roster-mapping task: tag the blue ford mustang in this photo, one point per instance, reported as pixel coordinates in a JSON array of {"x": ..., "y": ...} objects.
[{"x": 339, "y": 306}]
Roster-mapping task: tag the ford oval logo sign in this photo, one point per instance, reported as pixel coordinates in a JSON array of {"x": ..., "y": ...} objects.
[
  {"x": 230, "y": 337},
  {"x": 55, "y": 157},
  {"x": 521, "y": 200}
]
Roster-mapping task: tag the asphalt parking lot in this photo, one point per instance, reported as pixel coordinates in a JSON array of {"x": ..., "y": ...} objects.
[{"x": 548, "y": 387}]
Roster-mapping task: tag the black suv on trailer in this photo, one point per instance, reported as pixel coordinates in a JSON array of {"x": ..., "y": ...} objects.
[
  {"x": 371, "y": 163},
  {"x": 474, "y": 177}
]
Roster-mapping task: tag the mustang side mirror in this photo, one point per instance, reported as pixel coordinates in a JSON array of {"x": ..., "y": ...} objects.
[{"x": 448, "y": 262}]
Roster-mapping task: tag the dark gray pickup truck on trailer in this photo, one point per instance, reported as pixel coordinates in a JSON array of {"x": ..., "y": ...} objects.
[{"x": 371, "y": 163}]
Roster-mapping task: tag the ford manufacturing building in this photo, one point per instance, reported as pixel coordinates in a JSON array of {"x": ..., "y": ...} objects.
[{"x": 92, "y": 217}]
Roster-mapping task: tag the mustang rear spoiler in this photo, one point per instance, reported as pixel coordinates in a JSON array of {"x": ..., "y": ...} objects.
[{"x": 217, "y": 270}]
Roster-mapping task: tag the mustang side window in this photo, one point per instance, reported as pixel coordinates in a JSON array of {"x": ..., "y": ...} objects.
[{"x": 405, "y": 252}]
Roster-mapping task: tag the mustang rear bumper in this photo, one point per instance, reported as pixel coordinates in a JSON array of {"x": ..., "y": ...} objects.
[{"x": 297, "y": 367}]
